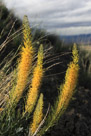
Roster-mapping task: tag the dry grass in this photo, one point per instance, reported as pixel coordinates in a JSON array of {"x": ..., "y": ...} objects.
[{"x": 86, "y": 47}]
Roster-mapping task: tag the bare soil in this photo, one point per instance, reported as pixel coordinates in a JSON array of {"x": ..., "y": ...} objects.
[{"x": 77, "y": 119}]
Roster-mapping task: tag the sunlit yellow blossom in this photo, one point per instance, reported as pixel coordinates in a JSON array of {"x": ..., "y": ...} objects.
[
  {"x": 68, "y": 86},
  {"x": 70, "y": 82},
  {"x": 23, "y": 72},
  {"x": 38, "y": 115},
  {"x": 24, "y": 65},
  {"x": 35, "y": 84}
]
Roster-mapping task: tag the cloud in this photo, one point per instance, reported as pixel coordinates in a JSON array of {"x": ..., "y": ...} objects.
[{"x": 66, "y": 17}]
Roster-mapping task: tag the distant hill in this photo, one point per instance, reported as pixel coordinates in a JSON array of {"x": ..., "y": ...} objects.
[
  {"x": 80, "y": 39},
  {"x": 7, "y": 20},
  {"x": 9, "y": 24}
]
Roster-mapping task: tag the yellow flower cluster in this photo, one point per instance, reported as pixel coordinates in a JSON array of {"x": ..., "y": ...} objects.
[
  {"x": 23, "y": 72},
  {"x": 35, "y": 84},
  {"x": 68, "y": 86},
  {"x": 38, "y": 115},
  {"x": 24, "y": 66},
  {"x": 70, "y": 82}
]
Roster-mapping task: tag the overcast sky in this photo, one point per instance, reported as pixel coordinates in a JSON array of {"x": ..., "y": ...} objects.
[{"x": 65, "y": 17}]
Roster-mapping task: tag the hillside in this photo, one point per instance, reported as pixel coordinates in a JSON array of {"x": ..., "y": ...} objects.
[
  {"x": 9, "y": 24},
  {"x": 80, "y": 39}
]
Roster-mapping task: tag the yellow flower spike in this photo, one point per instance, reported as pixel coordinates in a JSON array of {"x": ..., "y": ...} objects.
[
  {"x": 70, "y": 82},
  {"x": 26, "y": 31},
  {"x": 24, "y": 65},
  {"x": 75, "y": 54},
  {"x": 38, "y": 115},
  {"x": 35, "y": 84},
  {"x": 68, "y": 86}
]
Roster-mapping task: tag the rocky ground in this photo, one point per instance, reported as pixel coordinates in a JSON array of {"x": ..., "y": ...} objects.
[{"x": 77, "y": 119}]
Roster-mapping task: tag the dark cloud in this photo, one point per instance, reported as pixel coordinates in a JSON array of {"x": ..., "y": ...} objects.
[{"x": 55, "y": 15}]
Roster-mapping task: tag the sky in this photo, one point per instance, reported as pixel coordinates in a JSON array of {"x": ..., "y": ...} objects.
[{"x": 64, "y": 17}]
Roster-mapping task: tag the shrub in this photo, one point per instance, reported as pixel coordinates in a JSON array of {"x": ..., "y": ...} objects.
[
  {"x": 85, "y": 67},
  {"x": 16, "y": 115}
]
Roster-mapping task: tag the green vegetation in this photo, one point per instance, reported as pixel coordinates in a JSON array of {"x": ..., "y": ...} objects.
[{"x": 85, "y": 66}]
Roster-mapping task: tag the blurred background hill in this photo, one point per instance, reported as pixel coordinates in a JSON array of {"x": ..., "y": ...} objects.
[{"x": 9, "y": 24}]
